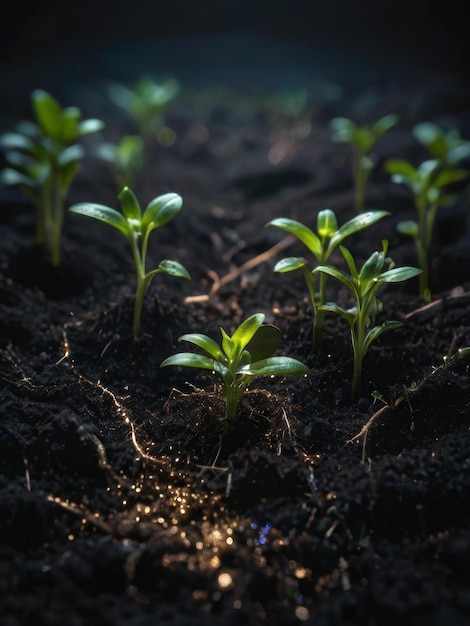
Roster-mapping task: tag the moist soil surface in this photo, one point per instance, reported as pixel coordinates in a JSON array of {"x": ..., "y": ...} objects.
[{"x": 126, "y": 497}]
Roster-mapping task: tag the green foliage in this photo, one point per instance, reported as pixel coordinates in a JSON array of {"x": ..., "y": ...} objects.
[
  {"x": 147, "y": 103},
  {"x": 363, "y": 285},
  {"x": 447, "y": 147},
  {"x": 321, "y": 245},
  {"x": 126, "y": 158},
  {"x": 43, "y": 158},
  {"x": 240, "y": 358},
  {"x": 428, "y": 183},
  {"x": 362, "y": 139},
  {"x": 136, "y": 226}
]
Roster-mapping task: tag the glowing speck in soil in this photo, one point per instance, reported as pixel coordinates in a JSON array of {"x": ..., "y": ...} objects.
[
  {"x": 215, "y": 562},
  {"x": 302, "y": 613},
  {"x": 224, "y": 580}
]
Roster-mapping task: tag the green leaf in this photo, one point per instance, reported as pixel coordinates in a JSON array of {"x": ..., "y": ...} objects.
[
  {"x": 69, "y": 126},
  {"x": 343, "y": 129},
  {"x": 289, "y": 264},
  {"x": 48, "y": 113},
  {"x": 15, "y": 141},
  {"x": 336, "y": 273},
  {"x": 228, "y": 345},
  {"x": 375, "y": 332},
  {"x": 401, "y": 170},
  {"x": 103, "y": 214},
  {"x": 459, "y": 152},
  {"x": 9, "y": 176},
  {"x": 130, "y": 206},
  {"x": 190, "y": 359},
  {"x": 354, "y": 225},
  {"x": 303, "y": 234},
  {"x": 372, "y": 267},
  {"x": 86, "y": 127},
  {"x": 428, "y": 134},
  {"x": 206, "y": 343},
  {"x": 327, "y": 224},
  {"x": 274, "y": 366},
  {"x": 264, "y": 342},
  {"x": 247, "y": 329},
  {"x": 71, "y": 154},
  {"x": 399, "y": 274},
  {"x": 161, "y": 210},
  {"x": 409, "y": 227},
  {"x": 384, "y": 124},
  {"x": 173, "y": 268},
  {"x": 331, "y": 307},
  {"x": 450, "y": 176},
  {"x": 350, "y": 263}
]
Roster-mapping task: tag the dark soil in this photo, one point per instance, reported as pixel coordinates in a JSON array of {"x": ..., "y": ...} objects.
[{"x": 126, "y": 498}]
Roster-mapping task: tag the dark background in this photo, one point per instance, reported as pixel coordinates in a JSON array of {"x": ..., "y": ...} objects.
[
  {"x": 429, "y": 32},
  {"x": 54, "y": 43}
]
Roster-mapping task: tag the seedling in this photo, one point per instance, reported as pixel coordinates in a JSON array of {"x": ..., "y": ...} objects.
[
  {"x": 427, "y": 183},
  {"x": 362, "y": 139},
  {"x": 126, "y": 158},
  {"x": 43, "y": 160},
  {"x": 136, "y": 227},
  {"x": 363, "y": 286},
  {"x": 241, "y": 357},
  {"x": 447, "y": 147},
  {"x": 147, "y": 103},
  {"x": 321, "y": 244}
]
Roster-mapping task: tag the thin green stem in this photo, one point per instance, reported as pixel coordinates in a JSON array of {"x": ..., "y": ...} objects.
[
  {"x": 319, "y": 319},
  {"x": 357, "y": 339},
  {"x": 141, "y": 286},
  {"x": 55, "y": 232}
]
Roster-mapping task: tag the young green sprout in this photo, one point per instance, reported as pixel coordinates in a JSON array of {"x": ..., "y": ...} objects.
[
  {"x": 43, "y": 158},
  {"x": 321, "y": 244},
  {"x": 136, "y": 227},
  {"x": 126, "y": 158},
  {"x": 363, "y": 286},
  {"x": 147, "y": 103},
  {"x": 362, "y": 139},
  {"x": 241, "y": 357},
  {"x": 427, "y": 183},
  {"x": 447, "y": 147}
]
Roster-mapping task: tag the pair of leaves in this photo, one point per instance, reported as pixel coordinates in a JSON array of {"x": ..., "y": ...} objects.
[
  {"x": 248, "y": 352},
  {"x": 363, "y": 138},
  {"x": 158, "y": 212},
  {"x": 61, "y": 124},
  {"x": 329, "y": 236}
]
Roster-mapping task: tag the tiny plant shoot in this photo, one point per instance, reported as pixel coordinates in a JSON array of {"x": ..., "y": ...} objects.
[
  {"x": 136, "y": 227},
  {"x": 362, "y": 139},
  {"x": 363, "y": 286},
  {"x": 126, "y": 158},
  {"x": 147, "y": 103},
  {"x": 447, "y": 147},
  {"x": 427, "y": 183},
  {"x": 241, "y": 357},
  {"x": 321, "y": 244},
  {"x": 43, "y": 158}
]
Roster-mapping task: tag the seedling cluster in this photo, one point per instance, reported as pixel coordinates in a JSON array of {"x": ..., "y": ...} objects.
[
  {"x": 321, "y": 245},
  {"x": 43, "y": 158}
]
